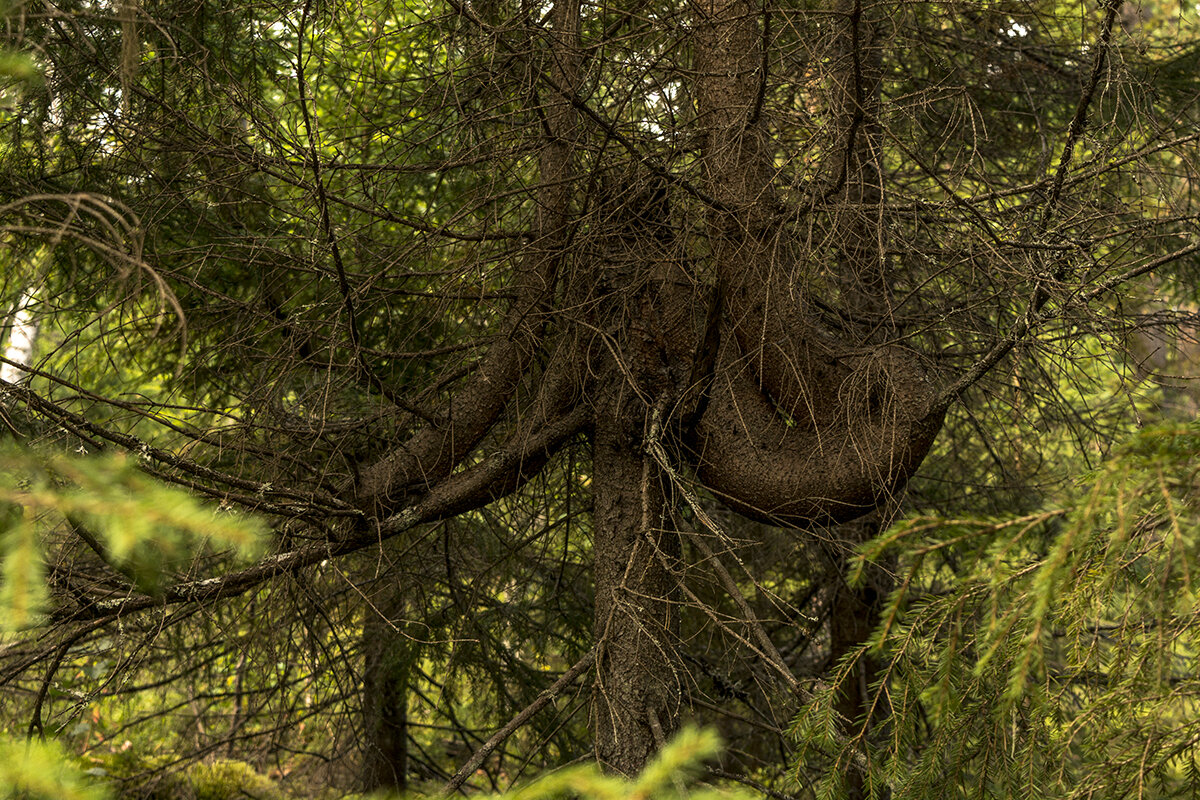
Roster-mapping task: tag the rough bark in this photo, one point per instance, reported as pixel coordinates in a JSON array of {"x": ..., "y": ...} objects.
[
  {"x": 857, "y": 230},
  {"x": 805, "y": 422},
  {"x": 638, "y": 682},
  {"x": 636, "y": 549},
  {"x": 797, "y": 402},
  {"x": 854, "y": 611},
  {"x": 387, "y": 658},
  {"x": 758, "y": 464}
]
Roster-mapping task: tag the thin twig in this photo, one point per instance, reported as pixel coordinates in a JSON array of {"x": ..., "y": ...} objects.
[{"x": 480, "y": 755}]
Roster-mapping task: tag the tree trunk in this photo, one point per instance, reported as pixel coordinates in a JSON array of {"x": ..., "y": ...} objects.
[
  {"x": 853, "y": 615},
  {"x": 858, "y": 229},
  {"x": 387, "y": 658},
  {"x": 21, "y": 339},
  {"x": 638, "y": 683}
]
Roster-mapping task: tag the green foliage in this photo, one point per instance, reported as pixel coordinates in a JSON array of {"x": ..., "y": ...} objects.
[
  {"x": 667, "y": 777},
  {"x": 18, "y": 67},
  {"x": 156, "y": 779},
  {"x": 41, "y": 771},
  {"x": 1054, "y": 650},
  {"x": 143, "y": 527},
  {"x": 17, "y": 71},
  {"x": 223, "y": 779},
  {"x": 327, "y": 199},
  {"x": 670, "y": 776},
  {"x": 23, "y": 592}
]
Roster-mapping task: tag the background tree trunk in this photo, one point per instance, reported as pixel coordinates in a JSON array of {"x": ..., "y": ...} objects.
[
  {"x": 854, "y": 611},
  {"x": 22, "y": 335},
  {"x": 387, "y": 658}
]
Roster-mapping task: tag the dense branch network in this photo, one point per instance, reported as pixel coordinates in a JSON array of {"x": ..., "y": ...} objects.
[{"x": 384, "y": 273}]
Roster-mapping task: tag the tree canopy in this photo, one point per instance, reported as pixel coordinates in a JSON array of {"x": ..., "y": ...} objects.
[{"x": 581, "y": 370}]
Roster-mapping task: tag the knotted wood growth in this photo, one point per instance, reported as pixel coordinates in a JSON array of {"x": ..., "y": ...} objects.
[{"x": 806, "y": 422}]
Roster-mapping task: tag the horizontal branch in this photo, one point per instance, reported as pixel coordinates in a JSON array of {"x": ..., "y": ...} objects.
[
  {"x": 498, "y": 475},
  {"x": 1036, "y": 316},
  {"x": 287, "y": 503}
]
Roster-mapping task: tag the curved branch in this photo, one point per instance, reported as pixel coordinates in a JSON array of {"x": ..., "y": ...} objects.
[
  {"x": 1080, "y": 119},
  {"x": 762, "y": 467},
  {"x": 796, "y": 362},
  {"x": 435, "y": 450},
  {"x": 264, "y": 497},
  {"x": 802, "y": 425}
]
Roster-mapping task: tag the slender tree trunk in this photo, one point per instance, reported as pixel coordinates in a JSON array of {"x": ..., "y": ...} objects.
[
  {"x": 853, "y": 615},
  {"x": 856, "y": 100},
  {"x": 387, "y": 660},
  {"x": 638, "y": 681},
  {"x": 22, "y": 334},
  {"x": 858, "y": 228}
]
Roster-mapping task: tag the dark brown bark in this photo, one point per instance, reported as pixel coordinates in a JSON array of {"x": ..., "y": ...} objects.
[
  {"x": 636, "y": 553},
  {"x": 805, "y": 423},
  {"x": 854, "y": 612},
  {"x": 795, "y": 422},
  {"x": 768, "y": 470},
  {"x": 387, "y": 658},
  {"x": 857, "y": 232},
  {"x": 517, "y": 461},
  {"x": 642, "y": 295},
  {"x": 797, "y": 400},
  {"x": 436, "y": 449}
]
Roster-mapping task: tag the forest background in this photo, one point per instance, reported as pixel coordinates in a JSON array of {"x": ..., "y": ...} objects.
[{"x": 425, "y": 397}]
